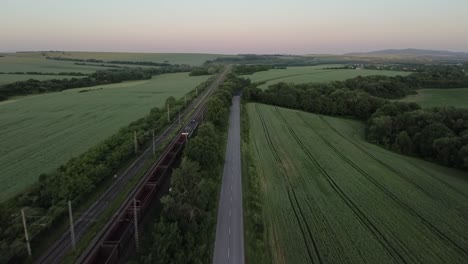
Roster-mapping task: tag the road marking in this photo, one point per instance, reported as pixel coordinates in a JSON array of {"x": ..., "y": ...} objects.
[
  {"x": 228, "y": 254},
  {"x": 229, "y": 230},
  {"x": 230, "y": 211}
]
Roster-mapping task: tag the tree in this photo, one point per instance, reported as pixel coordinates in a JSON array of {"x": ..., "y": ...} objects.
[
  {"x": 171, "y": 101},
  {"x": 403, "y": 143},
  {"x": 204, "y": 148},
  {"x": 217, "y": 112},
  {"x": 429, "y": 134},
  {"x": 446, "y": 149},
  {"x": 463, "y": 156},
  {"x": 380, "y": 129},
  {"x": 167, "y": 244}
]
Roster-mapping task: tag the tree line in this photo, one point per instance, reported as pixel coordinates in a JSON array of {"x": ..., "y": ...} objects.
[
  {"x": 400, "y": 86},
  {"x": 274, "y": 60},
  {"x": 78, "y": 178},
  {"x": 48, "y": 73},
  {"x": 185, "y": 231},
  {"x": 438, "y": 134},
  {"x": 251, "y": 69},
  {"x": 102, "y": 77},
  {"x": 91, "y": 60},
  {"x": 205, "y": 70},
  {"x": 405, "y": 67}
]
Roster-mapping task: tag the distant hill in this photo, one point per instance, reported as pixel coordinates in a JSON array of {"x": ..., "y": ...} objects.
[{"x": 414, "y": 53}]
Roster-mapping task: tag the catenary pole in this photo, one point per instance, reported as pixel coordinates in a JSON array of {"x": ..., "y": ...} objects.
[
  {"x": 72, "y": 229},
  {"x": 154, "y": 146},
  {"x": 135, "y": 220},
  {"x": 135, "y": 141},
  {"x": 26, "y": 236}
]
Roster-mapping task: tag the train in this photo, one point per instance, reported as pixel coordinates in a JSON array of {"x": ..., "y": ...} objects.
[
  {"x": 114, "y": 240},
  {"x": 190, "y": 128}
]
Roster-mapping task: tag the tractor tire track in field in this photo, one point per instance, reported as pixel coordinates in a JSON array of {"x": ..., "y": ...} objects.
[
  {"x": 380, "y": 237},
  {"x": 390, "y": 168},
  {"x": 397, "y": 173},
  {"x": 289, "y": 190},
  {"x": 359, "y": 145},
  {"x": 446, "y": 184},
  {"x": 381, "y": 187}
]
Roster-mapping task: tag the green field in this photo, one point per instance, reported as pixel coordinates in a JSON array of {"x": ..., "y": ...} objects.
[
  {"x": 40, "y": 132},
  {"x": 11, "y": 78},
  {"x": 440, "y": 97},
  {"x": 35, "y": 62},
  {"x": 331, "y": 197},
  {"x": 193, "y": 59},
  {"x": 312, "y": 74}
]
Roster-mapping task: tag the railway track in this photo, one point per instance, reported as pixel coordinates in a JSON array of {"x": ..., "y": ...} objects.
[{"x": 62, "y": 246}]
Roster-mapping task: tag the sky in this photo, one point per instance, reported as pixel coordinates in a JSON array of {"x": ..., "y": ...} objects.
[{"x": 233, "y": 27}]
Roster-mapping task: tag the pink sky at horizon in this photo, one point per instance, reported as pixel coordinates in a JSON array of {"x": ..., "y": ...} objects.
[{"x": 208, "y": 26}]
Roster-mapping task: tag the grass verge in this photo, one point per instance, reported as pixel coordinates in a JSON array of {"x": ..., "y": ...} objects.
[{"x": 256, "y": 247}]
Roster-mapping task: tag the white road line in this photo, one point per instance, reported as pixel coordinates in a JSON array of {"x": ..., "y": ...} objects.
[
  {"x": 230, "y": 211},
  {"x": 228, "y": 254},
  {"x": 229, "y": 230}
]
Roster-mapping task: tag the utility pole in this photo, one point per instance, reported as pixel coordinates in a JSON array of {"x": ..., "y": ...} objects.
[
  {"x": 154, "y": 147},
  {"x": 168, "y": 115},
  {"x": 136, "y": 225},
  {"x": 28, "y": 246},
  {"x": 135, "y": 142},
  {"x": 72, "y": 229}
]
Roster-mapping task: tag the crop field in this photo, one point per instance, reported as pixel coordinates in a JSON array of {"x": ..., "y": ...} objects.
[
  {"x": 193, "y": 59},
  {"x": 35, "y": 62},
  {"x": 440, "y": 97},
  {"x": 331, "y": 197},
  {"x": 40, "y": 132},
  {"x": 315, "y": 74}
]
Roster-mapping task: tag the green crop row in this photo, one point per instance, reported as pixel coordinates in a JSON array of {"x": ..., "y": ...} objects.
[{"x": 331, "y": 197}]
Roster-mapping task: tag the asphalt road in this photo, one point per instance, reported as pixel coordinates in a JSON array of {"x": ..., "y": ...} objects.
[{"x": 229, "y": 243}]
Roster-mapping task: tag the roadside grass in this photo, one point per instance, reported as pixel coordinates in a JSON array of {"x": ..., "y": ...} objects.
[{"x": 256, "y": 243}]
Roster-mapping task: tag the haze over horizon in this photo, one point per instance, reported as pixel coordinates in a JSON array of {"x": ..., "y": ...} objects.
[{"x": 208, "y": 26}]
